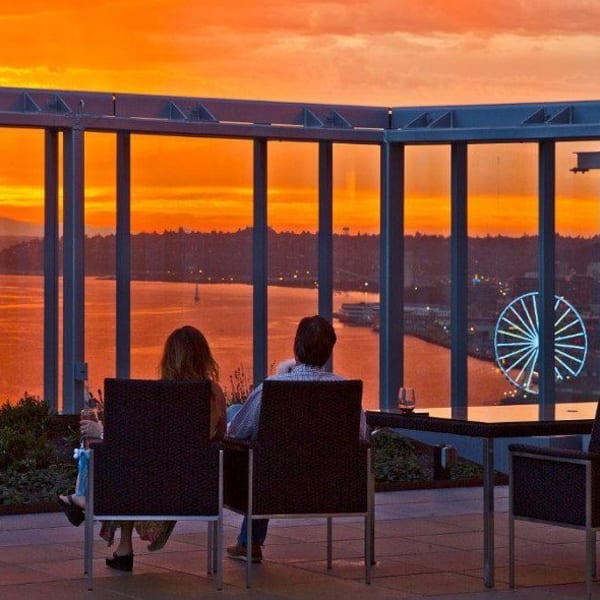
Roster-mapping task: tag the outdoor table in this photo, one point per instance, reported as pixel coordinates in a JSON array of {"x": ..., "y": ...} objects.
[{"x": 489, "y": 423}]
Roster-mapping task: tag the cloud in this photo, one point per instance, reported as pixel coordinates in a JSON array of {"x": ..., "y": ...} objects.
[
  {"x": 378, "y": 52},
  {"x": 426, "y": 17}
]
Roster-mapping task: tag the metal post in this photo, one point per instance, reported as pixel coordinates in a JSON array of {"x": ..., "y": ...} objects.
[
  {"x": 391, "y": 313},
  {"x": 123, "y": 255},
  {"x": 488, "y": 512},
  {"x": 259, "y": 262},
  {"x": 546, "y": 267},
  {"x": 51, "y": 269},
  {"x": 249, "y": 518},
  {"x": 511, "y": 523},
  {"x": 74, "y": 367},
  {"x": 325, "y": 236},
  {"x": 458, "y": 276}
]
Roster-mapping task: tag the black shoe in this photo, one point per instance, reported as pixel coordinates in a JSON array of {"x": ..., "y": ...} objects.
[
  {"x": 238, "y": 552},
  {"x": 73, "y": 511},
  {"x": 120, "y": 563}
]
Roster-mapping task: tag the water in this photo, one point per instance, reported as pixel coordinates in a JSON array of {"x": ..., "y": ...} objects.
[{"x": 224, "y": 313}]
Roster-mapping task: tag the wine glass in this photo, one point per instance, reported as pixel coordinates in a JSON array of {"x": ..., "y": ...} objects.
[{"x": 406, "y": 399}]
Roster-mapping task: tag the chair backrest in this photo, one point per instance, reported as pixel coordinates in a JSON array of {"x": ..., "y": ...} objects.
[
  {"x": 594, "y": 445},
  {"x": 309, "y": 458},
  {"x": 156, "y": 458}
]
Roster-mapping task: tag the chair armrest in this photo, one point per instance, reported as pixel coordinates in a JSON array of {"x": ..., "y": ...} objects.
[
  {"x": 558, "y": 453},
  {"x": 93, "y": 445}
]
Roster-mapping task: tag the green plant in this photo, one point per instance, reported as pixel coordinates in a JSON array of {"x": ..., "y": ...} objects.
[
  {"x": 36, "y": 452},
  {"x": 28, "y": 414},
  {"x": 466, "y": 470},
  {"x": 395, "y": 458},
  {"x": 240, "y": 387},
  {"x": 37, "y": 486}
]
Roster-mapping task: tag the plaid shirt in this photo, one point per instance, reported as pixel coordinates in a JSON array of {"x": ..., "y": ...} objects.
[{"x": 244, "y": 425}]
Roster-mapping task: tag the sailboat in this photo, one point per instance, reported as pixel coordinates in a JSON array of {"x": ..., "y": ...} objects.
[{"x": 197, "y": 294}]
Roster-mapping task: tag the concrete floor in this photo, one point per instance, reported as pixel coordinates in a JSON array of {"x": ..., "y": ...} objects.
[{"x": 428, "y": 544}]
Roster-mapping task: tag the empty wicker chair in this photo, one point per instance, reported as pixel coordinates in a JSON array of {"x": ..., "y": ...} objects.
[
  {"x": 157, "y": 462},
  {"x": 560, "y": 487},
  {"x": 308, "y": 459}
]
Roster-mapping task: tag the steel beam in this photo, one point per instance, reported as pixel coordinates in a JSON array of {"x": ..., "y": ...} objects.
[
  {"x": 546, "y": 268},
  {"x": 123, "y": 256},
  {"x": 391, "y": 313},
  {"x": 325, "y": 235},
  {"x": 74, "y": 367},
  {"x": 260, "y": 263},
  {"x": 51, "y": 268},
  {"x": 459, "y": 283},
  {"x": 496, "y": 122}
]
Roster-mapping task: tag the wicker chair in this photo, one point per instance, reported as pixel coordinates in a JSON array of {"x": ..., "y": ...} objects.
[
  {"x": 307, "y": 461},
  {"x": 157, "y": 462},
  {"x": 560, "y": 487}
]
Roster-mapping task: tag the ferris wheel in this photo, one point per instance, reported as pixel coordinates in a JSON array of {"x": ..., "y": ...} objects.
[{"x": 516, "y": 341}]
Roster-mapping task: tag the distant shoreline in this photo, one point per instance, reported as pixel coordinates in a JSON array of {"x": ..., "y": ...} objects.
[{"x": 303, "y": 284}]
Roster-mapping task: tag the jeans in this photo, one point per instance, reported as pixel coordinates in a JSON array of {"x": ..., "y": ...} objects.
[
  {"x": 259, "y": 526},
  {"x": 259, "y": 531}
]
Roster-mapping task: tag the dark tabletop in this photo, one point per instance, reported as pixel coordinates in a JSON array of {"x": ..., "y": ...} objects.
[{"x": 491, "y": 422}]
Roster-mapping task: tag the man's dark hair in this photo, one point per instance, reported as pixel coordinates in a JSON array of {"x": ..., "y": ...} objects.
[{"x": 314, "y": 341}]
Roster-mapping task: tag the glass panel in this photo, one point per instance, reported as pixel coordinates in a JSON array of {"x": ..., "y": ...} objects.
[
  {"x": 100, "y": 289},
  {"x": 292, "y": 206},
  {"x": 191, "y": 249},
  {"x": 356, "y": 266},
  {"x": 427, "y": 274},
  {"x": 21, "y": 264},
  {"x": 577, "y": 275},
  {"x": 293, "y": 214},
  {"x": 502, "y": 229}
]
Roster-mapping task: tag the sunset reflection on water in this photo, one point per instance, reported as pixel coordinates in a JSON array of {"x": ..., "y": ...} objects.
[{"x": 224, "y": 314}]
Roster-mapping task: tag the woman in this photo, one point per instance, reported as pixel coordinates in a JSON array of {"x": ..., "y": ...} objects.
[{"x": 186, "y": 355}]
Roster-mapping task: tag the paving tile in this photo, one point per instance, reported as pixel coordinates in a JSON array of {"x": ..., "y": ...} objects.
[
  {"x": 470, "y": 540},
  {"x": 15, "y": 575},
  {"x": 294, "y": 552},
  {"x": 410, "y": 527},
  {"x": 450, "y": 560},
  {"x": 434, "y": 583},
  {"x": 25, "y": 554},
  {"x": 341, "y": 530},
  {"x": 355, "y": 569},
  {"x": 428, "y": 545}
]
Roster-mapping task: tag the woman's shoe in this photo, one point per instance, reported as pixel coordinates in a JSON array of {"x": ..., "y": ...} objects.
[
  {"x": 73, "y": 511},
  {"x": 120, "y": 563}
]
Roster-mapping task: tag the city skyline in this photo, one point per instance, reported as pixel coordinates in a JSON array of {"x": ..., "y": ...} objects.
[{"x": 374, "y": 53}]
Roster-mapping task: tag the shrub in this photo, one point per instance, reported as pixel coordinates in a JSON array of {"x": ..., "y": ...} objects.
[
  {"x": 36, "y": 452},
  {"x": 395, "y": 458},
  {"x": 29, "y": 414},
  {"x": 39, "y": 486}
]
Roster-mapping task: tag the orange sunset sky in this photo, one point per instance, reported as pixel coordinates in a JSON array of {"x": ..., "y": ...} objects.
[{"x": 373, "y": 52}]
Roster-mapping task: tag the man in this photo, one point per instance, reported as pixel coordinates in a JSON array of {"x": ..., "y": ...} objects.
[{"x": 313, "y": 345}]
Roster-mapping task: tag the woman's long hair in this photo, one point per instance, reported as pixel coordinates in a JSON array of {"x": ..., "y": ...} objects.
[{"x": 187, "y": 355}]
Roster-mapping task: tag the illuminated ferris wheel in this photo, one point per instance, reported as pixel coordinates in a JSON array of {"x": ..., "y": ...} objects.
[{"x": 516, "y": 341}]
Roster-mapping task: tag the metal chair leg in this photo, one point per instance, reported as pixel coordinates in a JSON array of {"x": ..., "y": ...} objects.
[
  {"x": 209, "y": 548},
  {"x": 590, "y": 540},
  {"x": 329, "y": 542}
]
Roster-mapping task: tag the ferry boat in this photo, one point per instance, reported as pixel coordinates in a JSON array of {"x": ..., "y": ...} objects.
[{"x": 359, "y": 313}]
